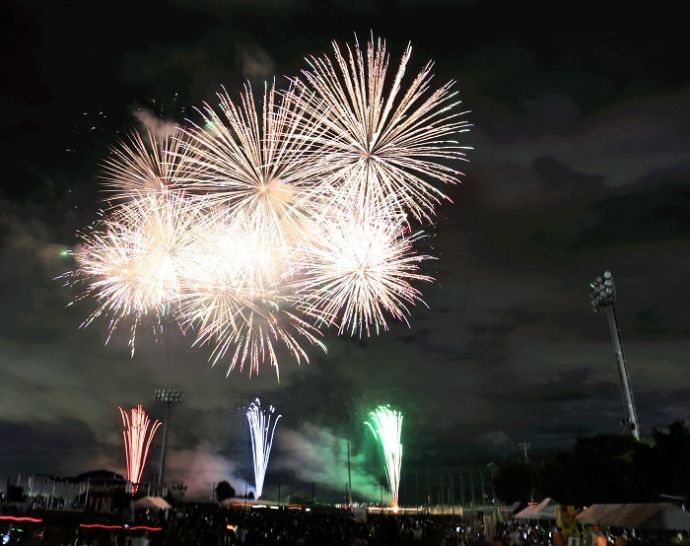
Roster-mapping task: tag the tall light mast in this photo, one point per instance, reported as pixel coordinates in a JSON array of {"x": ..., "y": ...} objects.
[
  {"x": 168, "y": 397},
  {"x": 602, "y": 292}
]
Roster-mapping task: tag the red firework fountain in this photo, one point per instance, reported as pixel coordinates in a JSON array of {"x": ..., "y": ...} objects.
[{"x": 138, "y": 432}]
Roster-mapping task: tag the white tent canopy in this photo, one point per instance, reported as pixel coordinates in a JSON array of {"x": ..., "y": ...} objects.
[
  {"x": 656, "y": 515},
  {"x": 154, "y": 503},
  {"x": 546, "y": 509}
]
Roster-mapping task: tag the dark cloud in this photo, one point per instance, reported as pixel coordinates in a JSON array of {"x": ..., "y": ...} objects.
[{"x": 69, "y": 444}]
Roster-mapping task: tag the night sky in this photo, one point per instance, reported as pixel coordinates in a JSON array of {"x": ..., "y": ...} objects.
[{"x": 581, "y": 130}]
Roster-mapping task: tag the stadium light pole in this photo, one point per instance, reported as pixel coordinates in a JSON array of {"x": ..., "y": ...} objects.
[
  {"x": 168, "y": 397},
  {"x": 602, "y": 292}
]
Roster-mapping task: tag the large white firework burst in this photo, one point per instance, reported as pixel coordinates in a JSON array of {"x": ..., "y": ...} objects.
[
  {"x": 237, "y": 302},
  {"x": 257, "y": 161},
  {"x": 380, "y": 139},
  {"x": 135, "y": 262},
  {"x": 358, "y": 272},
  {"x": 275, "y": 217}
]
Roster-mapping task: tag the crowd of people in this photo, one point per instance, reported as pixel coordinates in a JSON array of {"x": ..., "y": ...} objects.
[
  {"x": 528, "y": 534},
  {"x": 298, "y": 528},
  {"x": 293, "y": 527},
  {"x": 268, "y": 527}
]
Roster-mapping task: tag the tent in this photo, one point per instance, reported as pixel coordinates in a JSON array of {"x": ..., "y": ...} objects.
[
  {"x": 154, "y": 503},
  {"x": 655, "y": 515},
  {"x": 596, "y": 512},
  {"x": 546, "y": 509}
]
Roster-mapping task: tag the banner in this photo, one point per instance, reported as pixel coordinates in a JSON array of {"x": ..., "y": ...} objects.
[{"x": 565, "y": 519}]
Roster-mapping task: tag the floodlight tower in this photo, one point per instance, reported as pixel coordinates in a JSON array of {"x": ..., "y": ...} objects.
[
  {"x": 602, "y": 292},
  {"x": 168, "y": 397}
]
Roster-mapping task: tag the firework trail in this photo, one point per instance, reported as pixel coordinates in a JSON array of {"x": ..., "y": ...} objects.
[
  {"x": 261, "y": 428},
  {"x": 138, "y": 432},
  {"x": 386, "y": 425},
  {"x": 277, "y": 217}
]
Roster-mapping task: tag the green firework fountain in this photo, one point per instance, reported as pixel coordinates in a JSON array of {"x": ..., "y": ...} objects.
[{"x": 386, "y": 425}]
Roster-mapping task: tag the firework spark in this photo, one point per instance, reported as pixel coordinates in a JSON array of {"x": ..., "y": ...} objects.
[
  {"x": 261, "y": 428},
  {"x": 146, "y": 163},
  {"x": 386, "y": 425},
  {"x": 257, "y": 162},
  {"x": 135, "y": 262},
  {"x": 359, "y": 271},
  {"x": 238, "y": 303},
  {"x": 382, "y": 141},
  {"x": 138, "y": 433}
]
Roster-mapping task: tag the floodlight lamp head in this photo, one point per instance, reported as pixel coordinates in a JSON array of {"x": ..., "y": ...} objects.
[
  {"x": 602, "y": 291},
  {"x": 169, "y": 396}
]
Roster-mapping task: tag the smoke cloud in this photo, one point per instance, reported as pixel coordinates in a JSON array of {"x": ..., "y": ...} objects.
[
  {"x": 254, "y": 62},
  {"x": 319, "y": 456},
  {"x": 160, "y": 127},
  {"x": 200, "y": 469}
]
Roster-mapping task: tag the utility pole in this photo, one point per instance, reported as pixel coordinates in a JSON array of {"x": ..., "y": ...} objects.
[
  {"x": 349, "y": 476},
  {"x": 440, "y": 487},
  {"x": 416, "y": 488},
  {"x": 524, "y": 445},
  {"x": 602, "y": 293},
  {"x": 428, "y": 486}
]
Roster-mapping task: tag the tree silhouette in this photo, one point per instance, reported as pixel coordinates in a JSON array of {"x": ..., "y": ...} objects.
[
  {"x": 224, "y": 491},
  {"x": 606, "y": 468},
  {"x": 670, "y": 457}
]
